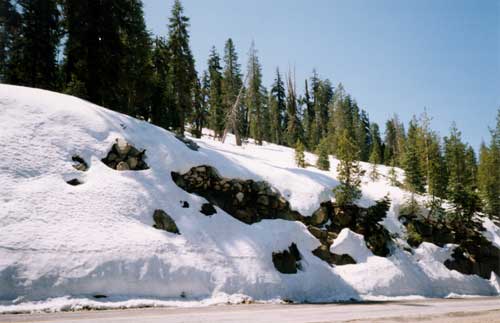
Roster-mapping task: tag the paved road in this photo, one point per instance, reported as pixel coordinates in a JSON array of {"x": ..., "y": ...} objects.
[{"x": 438, "y": 310}]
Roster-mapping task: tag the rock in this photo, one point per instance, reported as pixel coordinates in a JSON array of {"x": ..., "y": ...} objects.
[
  {"x": 124, "y": 156},
  {"x": 240, "y": 196},
  {"x": 74, "y": 182},
  {"x": 122, "y": 147},
  {"x": 320, "y": 216},
  {"x": 287, "y": 261},
  {"x": 188, "y": 142},
  {"x": 263, "y": 200},
  {"x": 122, "y": 166},
  {"x": 163, "y": 221},
  {"x": 80, "y": 164},
  {"x": 184, "y": 204},
  {"x": 208, "y": 209},
  {"x": 132, "y": 162},
  {"x": 100, "y": 296},
  {"x": 341, "y": 260},
  {"x": 318, "y": 233}
]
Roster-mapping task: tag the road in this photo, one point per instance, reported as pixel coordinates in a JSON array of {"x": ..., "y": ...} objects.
[{"x": 482, "y": 310}]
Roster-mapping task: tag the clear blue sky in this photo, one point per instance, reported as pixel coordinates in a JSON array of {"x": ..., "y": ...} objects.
[{"x": 393, "y": 56}]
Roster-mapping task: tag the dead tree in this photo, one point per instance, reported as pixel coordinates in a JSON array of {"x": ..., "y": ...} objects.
[{"x": 232, "y": 117}]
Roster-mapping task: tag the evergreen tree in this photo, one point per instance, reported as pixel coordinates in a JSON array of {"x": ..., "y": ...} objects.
[
  {"x": 349, "y": 172},
  {"x": 278, "y": 110},
  {"x": 94, "y": 50},
  {"x": 255, "y": 97},
  {"x": 362, "y": 133},
  {"x": 299, "y": 154},
  {"x": 394, "y": 141},
  {"x": 199, "y": 115},
  {"x": 160, "y": 100},
  {"x": 10, "y": 26},
  {"x": 181, "y": 67},
  {"x": 32, "y": 60},
  {"x": 376, "y": 152},
  {"x": 323, "y": 161},
  {"x": 159, "y": 92},
  {"x": 309, "y": 119},
  {"x": 489, "y": 172},
  {"x": 411, "y": 160},
  {"x": 294, "y": 131},
  {"x": 437, "y": 179},
  {"x": 460, "y": 187},
  {"x": 217, "y": 111},
  {"x": 393, "y": 176},
  {"x": 136, "y": 69}
]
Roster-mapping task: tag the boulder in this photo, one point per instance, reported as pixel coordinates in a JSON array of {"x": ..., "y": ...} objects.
[
  {"x": 79, "y": 164},
  {"x": 287, "y": 261},
  {"x": 320, "y": 216},
  {"x": 163, "y": 221},
  {"x": 208, "y": 209},
  {"x": 74, "y": 182},
  {"x": 122, "y": 166},
  {"x": 124, "y": 156},
  {"x": 188, "y": 142}
]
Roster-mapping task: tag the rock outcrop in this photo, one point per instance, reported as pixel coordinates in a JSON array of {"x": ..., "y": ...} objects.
[
  {"x": 124, "y": 156},
  {"x": 288, "y": 261},
  {"x": 475, "y": 254},
  {"x": 79, "y": 163},
  {"x": 252, "y": 201},
  {"x": 163, "y": 221},
  {"x": 247, "y": 200}
]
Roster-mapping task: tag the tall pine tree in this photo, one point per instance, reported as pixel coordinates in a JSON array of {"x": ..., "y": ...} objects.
[
  {"x": 217, "y": 111},
  {"x": 254, "y": 96}
]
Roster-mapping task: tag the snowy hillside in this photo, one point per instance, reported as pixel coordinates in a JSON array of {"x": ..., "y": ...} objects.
[{"x": 97, "y": 238}]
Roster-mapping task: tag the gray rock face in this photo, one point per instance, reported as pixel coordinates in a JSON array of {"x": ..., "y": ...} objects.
[
  {"x": 163, "y": 221},
  {"x": 124, "y": 156}
]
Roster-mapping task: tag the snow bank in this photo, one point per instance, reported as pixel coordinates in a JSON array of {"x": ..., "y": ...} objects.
[
  {"x": 352, "y": 244},
  {"x": 97, "y": 238}
]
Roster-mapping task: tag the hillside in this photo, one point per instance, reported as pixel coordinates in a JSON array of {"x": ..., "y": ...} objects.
[{"x": 96, "y": 236}]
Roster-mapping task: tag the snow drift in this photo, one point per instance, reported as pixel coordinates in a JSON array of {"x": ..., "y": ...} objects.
[{"x": 97, "y": 238}]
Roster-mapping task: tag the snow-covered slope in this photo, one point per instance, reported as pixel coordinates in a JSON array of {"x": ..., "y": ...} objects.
[{"x": 97, "y": 238}]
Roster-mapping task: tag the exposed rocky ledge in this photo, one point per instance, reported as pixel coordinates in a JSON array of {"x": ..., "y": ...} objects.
[
  {"x": 124, "y": 156},
  {"x": 252, "y": 201},
  {"x": 475, "y": 254}
]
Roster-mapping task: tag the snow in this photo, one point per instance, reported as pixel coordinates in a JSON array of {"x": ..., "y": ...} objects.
[
  {"x": 62, "y": 244},
  {"x": 352, "y": 244}
]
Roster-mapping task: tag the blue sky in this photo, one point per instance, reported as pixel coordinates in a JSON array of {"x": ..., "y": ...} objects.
[{"x": 392, "y": 56}]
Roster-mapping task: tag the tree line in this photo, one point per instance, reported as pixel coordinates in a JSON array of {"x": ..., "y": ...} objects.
[{"x": 101, "y": 51}]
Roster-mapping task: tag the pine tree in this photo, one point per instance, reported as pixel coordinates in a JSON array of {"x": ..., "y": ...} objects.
[
  {"x": 94, "y": 50},
  {"x": 293, "y": 131},
  {"x": 10, "y": 26},
  {"x": 217, "y": 111},
  {"x": 299, "y": 154},
  {"x": 394, "y": 141},
  {"x": 32, "y": 60},
  {"x": 199, "y": 114},
  {"x": 309, "y": 119},
  {"x": 278, "y": 110},
  {"x": 362, "y": 133},
  {"x": 349, "y": 172},
  {"x": 489, "y": 172},
  {"x": 231, "y": 87},
  {"x": 160, "y": 100},
  {"x": 137, "y": 71},
  {"x": 323, "y": 161},
  {"x": 393, "y": 176},
  {"x": 460, "y": 188},
  {"x": 376, "y": 152},
  {"x": 411, "y": 160},
  {"x": 255, "y": 97},
  {"x": 181, "y": 68},
  {"x": 437, "y": 179}
]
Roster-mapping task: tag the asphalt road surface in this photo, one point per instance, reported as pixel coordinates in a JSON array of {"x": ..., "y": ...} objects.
[{"x": 484, "y": 310}]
